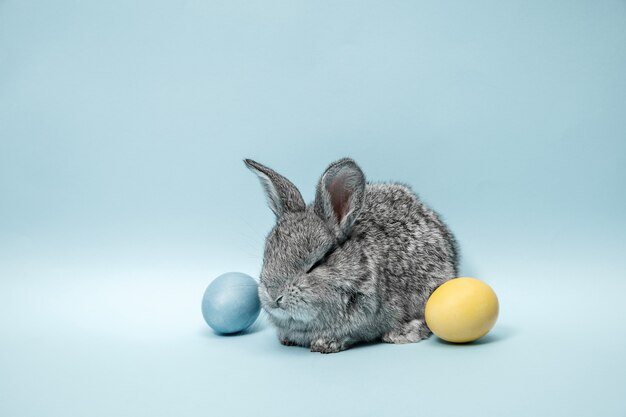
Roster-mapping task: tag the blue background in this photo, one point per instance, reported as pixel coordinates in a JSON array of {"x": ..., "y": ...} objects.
[{"x": 122, "y": 194}]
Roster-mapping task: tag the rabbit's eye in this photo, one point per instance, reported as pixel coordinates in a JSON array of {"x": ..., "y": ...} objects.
[
  {"x": 322, "y": 260},
  {"x": 315, "y": 265}
]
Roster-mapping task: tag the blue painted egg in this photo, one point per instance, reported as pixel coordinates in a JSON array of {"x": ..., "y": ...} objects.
[{"x": 231, "y": 303}]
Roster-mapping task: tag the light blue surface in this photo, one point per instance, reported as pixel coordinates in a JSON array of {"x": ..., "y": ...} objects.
[
  {"x": 123, "y": 126},
  {"x": 231, "y": 303}
]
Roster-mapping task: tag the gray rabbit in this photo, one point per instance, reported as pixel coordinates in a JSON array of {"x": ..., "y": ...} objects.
[{"x": 356, "y": 265}]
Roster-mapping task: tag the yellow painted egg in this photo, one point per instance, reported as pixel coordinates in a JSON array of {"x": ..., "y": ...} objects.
[{"x": 462, "y": 310}]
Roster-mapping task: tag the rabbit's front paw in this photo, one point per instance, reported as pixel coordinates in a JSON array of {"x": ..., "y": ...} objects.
[
  {"x": 327, "y": 346},
  {"x": 287, "y": 342}
]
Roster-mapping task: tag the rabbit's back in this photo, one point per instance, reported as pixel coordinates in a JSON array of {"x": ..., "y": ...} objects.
[{"x": 407, "y": 247}]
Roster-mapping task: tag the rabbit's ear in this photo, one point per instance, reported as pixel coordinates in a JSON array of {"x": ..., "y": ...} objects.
[
  {"x": 282, "y": 195},
  {"x": 339, "y": 195}
]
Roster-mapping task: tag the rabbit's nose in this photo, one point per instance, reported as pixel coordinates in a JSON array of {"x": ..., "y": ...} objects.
[{"x": 278, "y": 300}]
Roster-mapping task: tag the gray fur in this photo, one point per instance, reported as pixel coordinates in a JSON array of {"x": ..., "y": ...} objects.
[{"x": 378, "y": 253}]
